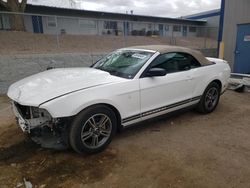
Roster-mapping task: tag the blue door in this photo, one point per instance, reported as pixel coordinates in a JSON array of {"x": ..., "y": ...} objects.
[
  {"x": 37, "y": 24},
  {"x": 242, "y": 50}
]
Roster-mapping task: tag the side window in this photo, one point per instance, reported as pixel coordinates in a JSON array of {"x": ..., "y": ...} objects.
[
  {"x": 174, "y": 62},
  {"x": 187, "y": 62},
  {"x": 166, "y": 61}
]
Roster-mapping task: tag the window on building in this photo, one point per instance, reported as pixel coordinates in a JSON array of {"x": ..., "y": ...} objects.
[
  {"x": 110, "y": 25},
  {"x": 5, "y": 22},
  {"x": 192, "y": 29},
  {"x": 149, "y": 26},
  {"x": 177, "y": 28},
  {"x": 89, "y": 24},
  {"x": 51, "y": 21},
  {"x": 166, "y": 27}
]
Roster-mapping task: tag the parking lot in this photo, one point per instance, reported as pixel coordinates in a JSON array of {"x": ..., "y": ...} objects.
[{"x": 183, "y": 150}]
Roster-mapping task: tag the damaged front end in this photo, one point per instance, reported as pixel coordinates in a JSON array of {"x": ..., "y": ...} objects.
[{"x": 41, "y": 127}]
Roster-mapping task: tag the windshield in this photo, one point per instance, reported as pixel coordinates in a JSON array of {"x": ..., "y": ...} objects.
[{"x": 123, "y": 63}]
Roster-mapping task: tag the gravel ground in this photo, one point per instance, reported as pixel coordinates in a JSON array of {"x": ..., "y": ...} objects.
[{"x": 182, "y": 150}]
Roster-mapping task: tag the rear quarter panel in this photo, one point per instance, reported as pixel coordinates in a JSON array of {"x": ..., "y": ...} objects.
[{"x": 203, "y": 76}]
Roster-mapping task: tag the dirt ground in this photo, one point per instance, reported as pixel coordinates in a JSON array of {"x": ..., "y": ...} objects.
[
  {"x": 183, "y": 150},
  {"x": 44, "y": 43}
]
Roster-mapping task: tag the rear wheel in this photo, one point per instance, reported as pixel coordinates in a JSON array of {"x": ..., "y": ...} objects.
[
  {"x": 92, "y": 129},
  {"x": 209, "y": 99}
]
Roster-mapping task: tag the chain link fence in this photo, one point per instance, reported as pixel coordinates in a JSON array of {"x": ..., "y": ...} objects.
[{"x": 59, "y": 41}]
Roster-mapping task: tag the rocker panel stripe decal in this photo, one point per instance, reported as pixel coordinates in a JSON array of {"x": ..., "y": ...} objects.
[{"x": 150, "y": 112}]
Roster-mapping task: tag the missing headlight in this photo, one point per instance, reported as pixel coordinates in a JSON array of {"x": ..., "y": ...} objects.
[{"x": 35, "y": 112}]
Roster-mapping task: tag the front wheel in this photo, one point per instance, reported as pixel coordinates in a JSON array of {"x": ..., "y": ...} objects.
[
  {"x": 92, "y": 129},
  {"x": 209, "y": 99}
]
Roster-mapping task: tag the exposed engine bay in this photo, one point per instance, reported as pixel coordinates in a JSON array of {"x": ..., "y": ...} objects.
[{"x": 41, "y": 127}]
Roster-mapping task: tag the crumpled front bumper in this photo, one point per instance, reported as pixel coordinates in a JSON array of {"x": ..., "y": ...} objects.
[
  {"x": 41, "y": 127},
  {"x": 23, "y": 124},
  {"x": 42, "y": 117}
]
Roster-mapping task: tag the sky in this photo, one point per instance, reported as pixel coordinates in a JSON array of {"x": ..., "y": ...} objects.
[{"x": 162, "y": 8}]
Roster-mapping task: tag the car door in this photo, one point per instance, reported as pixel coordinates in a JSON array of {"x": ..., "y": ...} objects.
[{"x": 172, "y": 90}]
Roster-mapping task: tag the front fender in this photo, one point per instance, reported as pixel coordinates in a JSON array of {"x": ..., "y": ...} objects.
[
  {"x": 125, "y": 97},
  {"x": 72, "y": 104}
]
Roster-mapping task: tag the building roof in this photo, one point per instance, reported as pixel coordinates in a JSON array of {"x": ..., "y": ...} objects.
[
  {"x": 203, "y": 15},
  {"x": 47, "y": 10},
  {"x": 167, "y": 49}
]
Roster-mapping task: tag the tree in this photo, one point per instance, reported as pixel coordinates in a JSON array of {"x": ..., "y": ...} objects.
[{"x": 17, "y": 6}]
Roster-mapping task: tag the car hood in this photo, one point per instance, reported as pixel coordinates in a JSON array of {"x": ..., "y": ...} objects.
[{"x": 47, "y": 85}]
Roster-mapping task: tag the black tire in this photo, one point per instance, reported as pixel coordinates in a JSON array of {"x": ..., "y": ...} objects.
[
  {"x": 203, "y": 106},
  {"x": 84, "y": 137}
]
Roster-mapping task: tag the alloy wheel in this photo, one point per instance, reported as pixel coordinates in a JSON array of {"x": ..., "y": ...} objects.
[
  {"x": 96, "y": 131},
  {"x": 211, "y": 98}
]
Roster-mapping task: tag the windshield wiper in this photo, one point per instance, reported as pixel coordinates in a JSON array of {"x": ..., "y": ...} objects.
[
  {"x": 112, "y": 72},
  {"x": 100, "y": 68}
]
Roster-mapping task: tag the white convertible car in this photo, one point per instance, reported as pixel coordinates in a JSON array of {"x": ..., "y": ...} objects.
[{"x": 83, "y": 108}]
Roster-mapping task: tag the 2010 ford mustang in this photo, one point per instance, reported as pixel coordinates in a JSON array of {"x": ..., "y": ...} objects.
[{"x": 84, "y": 107}]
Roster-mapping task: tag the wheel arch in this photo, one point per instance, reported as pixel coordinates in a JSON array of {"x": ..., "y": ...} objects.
[
  {"x": 208, "y": 82},
  {"x": 110, "y": 106},
  {"x": 217, "y": 81}
]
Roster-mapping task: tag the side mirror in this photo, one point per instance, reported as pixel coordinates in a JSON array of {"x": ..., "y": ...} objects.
[{"x": 156, "y": 72}]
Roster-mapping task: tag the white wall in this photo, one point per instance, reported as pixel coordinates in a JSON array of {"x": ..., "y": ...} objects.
[
  {"x": 70, "y": 25},
  {"x": 28, "y": 23},
  {"x": 77, "y": 26}
]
